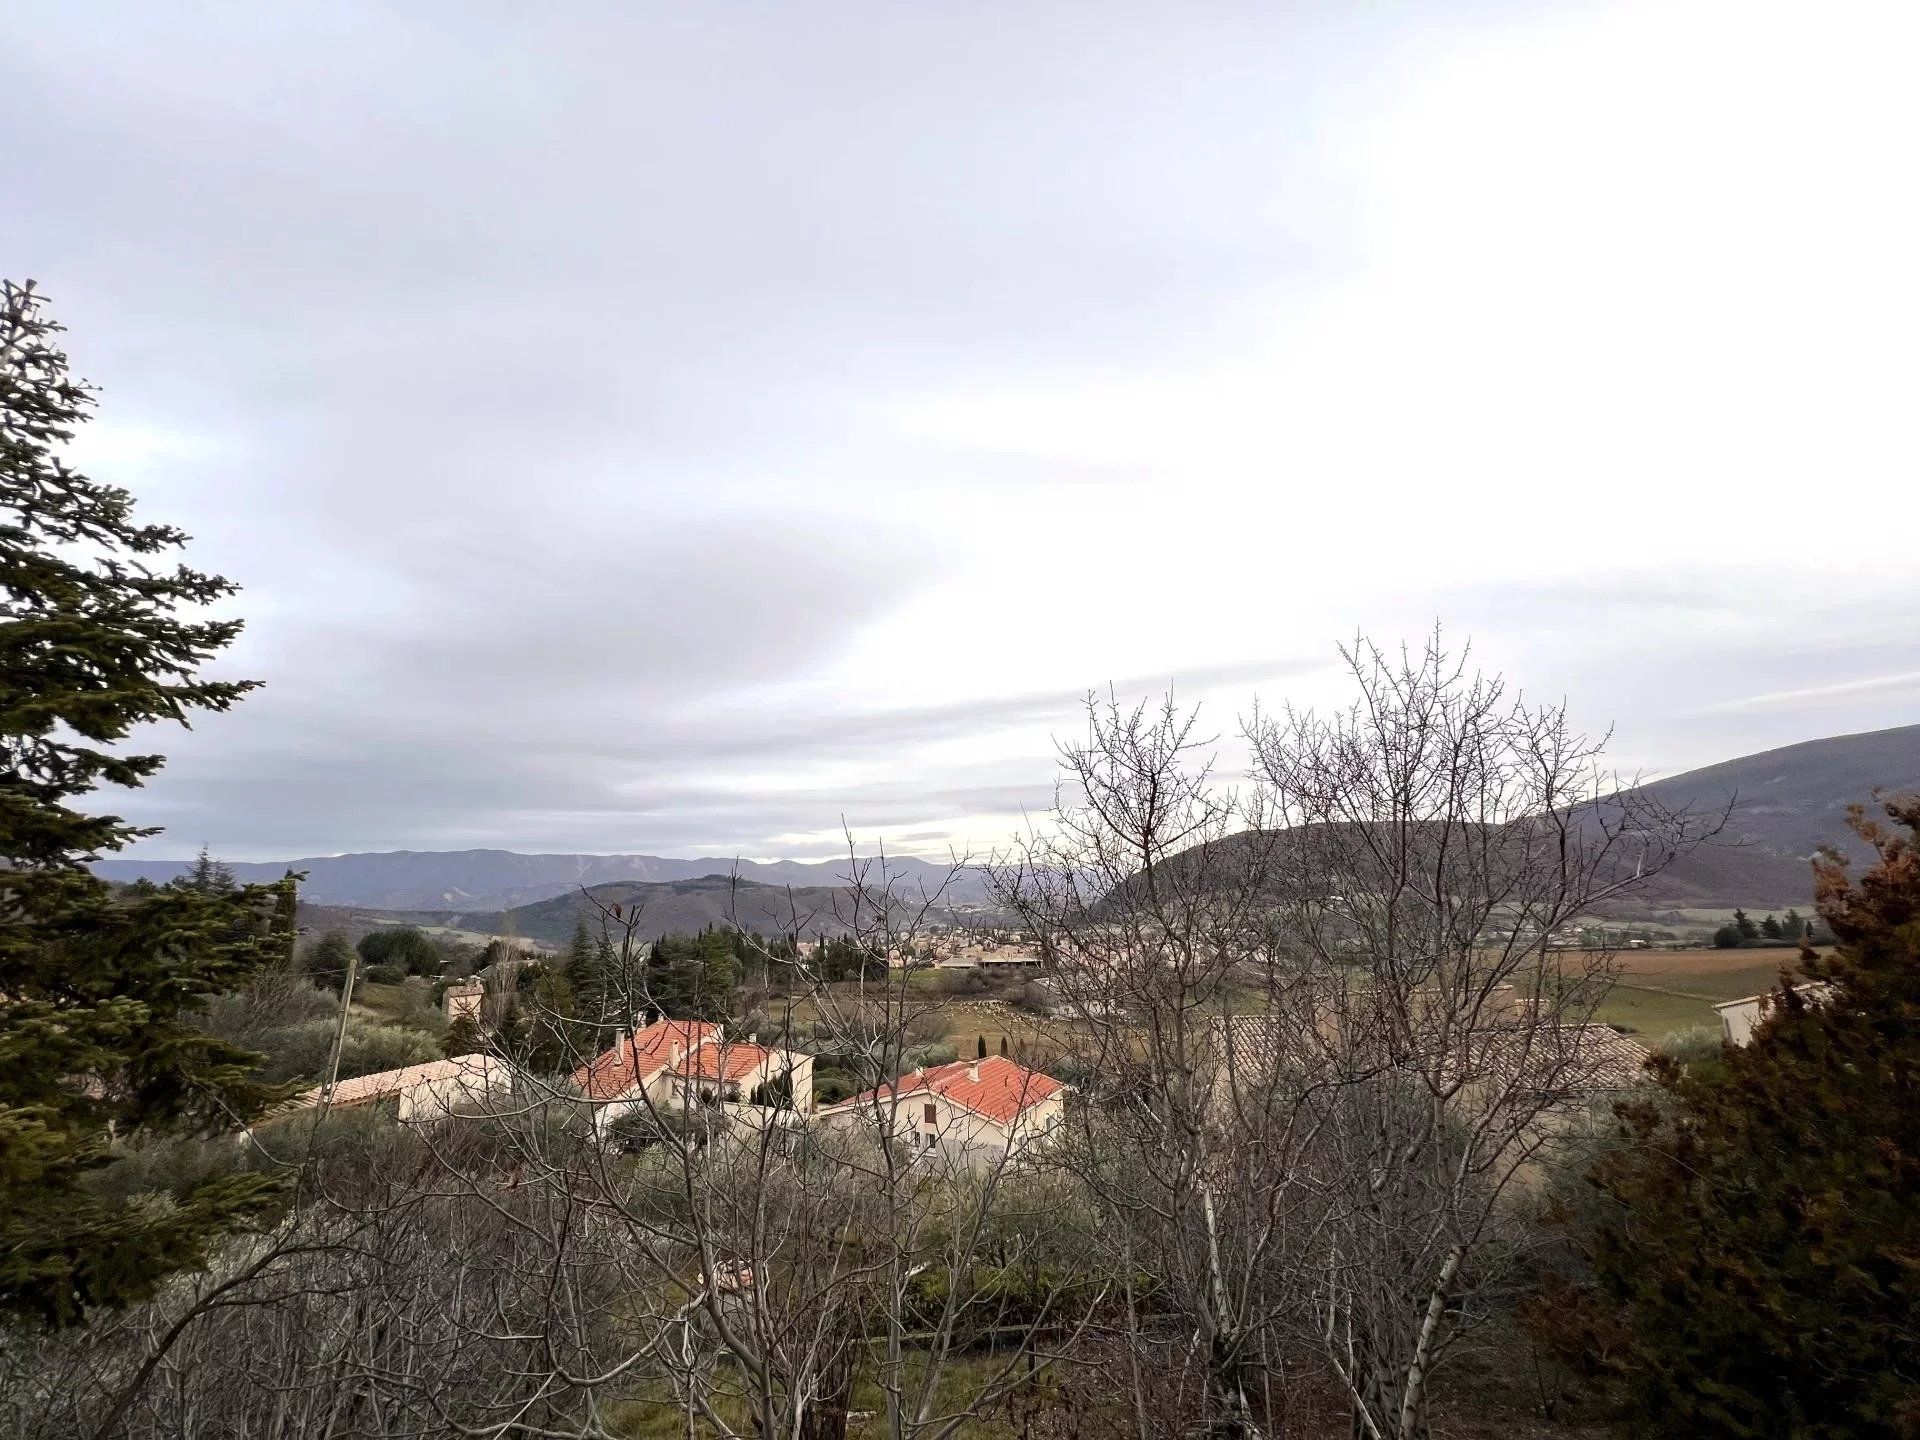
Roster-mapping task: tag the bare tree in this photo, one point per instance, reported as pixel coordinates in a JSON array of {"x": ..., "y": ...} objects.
[
  {"x": 1433, "y": 839},
  {"x": 1325, "y": 1033},
  {"x": 1147, "y": 894}
]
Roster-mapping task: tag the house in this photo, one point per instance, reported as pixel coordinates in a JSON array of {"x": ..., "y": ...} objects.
[
  {"x": 632, "y": 1074},
  {"x": 1740, "y": 1018},
  {"x": 672, "y": 1064},
  {"x": 464, "y": 1000},
  {"x": 430, "y": 1091},
  {"x": 737, "y": 1073},
  {"x": 971, "y": 1113}
]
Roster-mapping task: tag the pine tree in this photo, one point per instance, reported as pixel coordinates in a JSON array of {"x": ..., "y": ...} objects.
[
  {"x": 98, "y": 990},
  {"x": 208, "y": 876},
  {"x": 284, "y": 929},
  {"x": 1770, "y": 928},
  {"x": 1761, "y": 1279}
]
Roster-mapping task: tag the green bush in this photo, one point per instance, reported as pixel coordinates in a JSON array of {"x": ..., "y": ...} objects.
[
  {"x": 386, "y": 975},
  {"x": 830, "y": 1087}
]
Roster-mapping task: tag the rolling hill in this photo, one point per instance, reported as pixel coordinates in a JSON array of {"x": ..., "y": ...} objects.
[
  {"x": 666, "y": 907},
  {"x": 481, "y": 880},
  {"x": 1780, "y": 807},
  {"x": 1785, "y": 804}
]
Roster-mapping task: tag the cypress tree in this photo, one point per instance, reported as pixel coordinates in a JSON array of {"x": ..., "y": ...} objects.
[
  {"x": 98, "y": 991},
  {"x": 284, "y": 928}
]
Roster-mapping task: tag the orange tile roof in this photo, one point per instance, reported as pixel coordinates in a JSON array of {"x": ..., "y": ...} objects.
[
  {"x": 722, "y": 1062},
  {"x": 1003, "y": 1090},
  {"x": 641, "y": 1056}
]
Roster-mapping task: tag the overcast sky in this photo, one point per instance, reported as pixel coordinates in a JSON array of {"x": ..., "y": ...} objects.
[{"x": 680, "y": 427}]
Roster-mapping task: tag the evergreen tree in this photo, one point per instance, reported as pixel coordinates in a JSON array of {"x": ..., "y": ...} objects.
[
  {"x": 980, "y": 1047},
  {"x": 329, "y": 961},
  {"x": 1793, "y": 927},
  {"x": 557, "y": 1041},
  {"x": 404, "y": 946},
  {"x": 1770, "y": 928},
  {"x": 99, "y": 991},
  {"x": 1761, "y": 1277},
  {"x": 208, "y": 876},
  {"x": 463, "y": 1037},
  {"x": 283, "y": 929},
  {"x": 1743, "y": 923},
  {"x": 513, "y": 1036}
]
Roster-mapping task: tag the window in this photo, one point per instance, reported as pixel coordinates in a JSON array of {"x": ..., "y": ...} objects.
[{"x": 932, "y": 1115}]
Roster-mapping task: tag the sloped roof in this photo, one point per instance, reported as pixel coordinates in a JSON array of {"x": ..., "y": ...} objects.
[
  {"x": 481, "y": 1070},
  {"x": 641, "y": 1056},
  {"x": 723, "y": 1062},
  {"x": 1004, "y": 1088}
]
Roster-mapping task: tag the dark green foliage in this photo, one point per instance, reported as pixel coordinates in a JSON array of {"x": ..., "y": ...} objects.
[
  {"x": 841, "y": 957},
  {"x": 404, "y": 947},
  {"x": 693, "y": 977},
  {"x": 463, "y": 1037},
  {"x": 830, "y": 1087},
  {"x": 980, "y": 1047},
  {"x": 1763, "y": 1275},
  {"x": 1727, "y": 937},
  {"x": 556, "y": 1040},
  {"x": 284, "y": 928},
  {"x": 208, "y": 876},
  {"x": 775, "y": 1094},
  {"x": 512, "y": 1035},
  {"x": 329, "y": 961},
  {"x": 1770, "y": 928},
  {"x": 99, "y": 991},
  {"x": 385, "y": 975}
]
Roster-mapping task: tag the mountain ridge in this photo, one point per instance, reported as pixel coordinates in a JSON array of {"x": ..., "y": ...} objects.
[
  {"x": 493, "y": 879},
  {"x": 1784, "y": 803}
]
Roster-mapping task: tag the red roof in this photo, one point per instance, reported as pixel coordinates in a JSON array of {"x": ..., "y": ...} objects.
[
  {"x": 723, "y": 1062},
  {"x": 1003, "y": 1090},
  {"x": 642, "y": 1055}
]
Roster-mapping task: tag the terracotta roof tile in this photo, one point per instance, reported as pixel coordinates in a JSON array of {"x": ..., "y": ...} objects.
[
  {"x": 1004, "y": 1088},
  {"x": 641, "y": 1056},
  {"x": 722, "y": 1062}
]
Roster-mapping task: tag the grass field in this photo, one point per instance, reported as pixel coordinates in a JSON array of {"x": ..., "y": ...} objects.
[
  {"x": 1661, "y": 991},
  {"x": 405, "y": 1004}
]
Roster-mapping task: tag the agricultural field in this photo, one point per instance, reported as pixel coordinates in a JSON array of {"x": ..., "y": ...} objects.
[{"x": 1660, "y": 991}]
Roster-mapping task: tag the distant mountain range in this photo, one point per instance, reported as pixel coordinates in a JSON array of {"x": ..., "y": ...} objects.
[
  {"x": 483, "y": 880},
  {"x": 1786, "y": 804},
  {"x": 671, "y": 907}
]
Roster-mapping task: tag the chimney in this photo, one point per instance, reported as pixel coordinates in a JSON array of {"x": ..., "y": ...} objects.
[
  {"x": 673, "y": 1055},
  {"x": 973, "y": 1072}
]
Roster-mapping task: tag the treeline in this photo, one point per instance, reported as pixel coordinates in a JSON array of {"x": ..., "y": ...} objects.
[{"x": 1743, "y": 931}]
